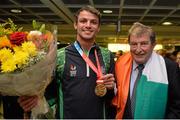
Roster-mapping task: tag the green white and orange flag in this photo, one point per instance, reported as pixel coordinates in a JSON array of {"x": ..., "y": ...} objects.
[{"x": 152, "y": 89}]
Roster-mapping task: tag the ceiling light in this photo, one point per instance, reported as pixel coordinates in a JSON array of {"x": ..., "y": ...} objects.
[
  {"x": 16, "y": 11},
  {"x": 167, "y": 23},
  {"x": 158, "y": 47},
  {"x": 58, "y": 43},
  {"x": 107, "y": 11}
]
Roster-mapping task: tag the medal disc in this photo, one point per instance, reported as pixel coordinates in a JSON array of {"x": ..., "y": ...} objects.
[{"x": 100, "y": 90}]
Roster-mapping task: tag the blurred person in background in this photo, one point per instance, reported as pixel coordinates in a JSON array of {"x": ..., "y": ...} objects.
[
  {"x": 172, "y": 55},
  {"x": 162, "y": 52},
  {"x": 178, "y": 58},
  {"x": 118, "y": 54}
]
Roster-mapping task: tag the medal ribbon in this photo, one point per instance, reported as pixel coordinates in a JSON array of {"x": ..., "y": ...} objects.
[{"x": 97, "y": 69}]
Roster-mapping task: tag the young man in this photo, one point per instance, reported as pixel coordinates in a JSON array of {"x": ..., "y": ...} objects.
[
  {"x": 147, "y": 83},
  {"x": 84, "y": 73}
]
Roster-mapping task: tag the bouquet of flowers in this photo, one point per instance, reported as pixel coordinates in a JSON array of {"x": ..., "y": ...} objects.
[{"x": 27, "y": 59}]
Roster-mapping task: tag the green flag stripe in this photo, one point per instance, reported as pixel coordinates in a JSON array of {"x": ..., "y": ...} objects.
[{"x": 151, "y": 99}]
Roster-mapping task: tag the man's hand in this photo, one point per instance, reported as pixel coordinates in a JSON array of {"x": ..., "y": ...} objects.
[
  {"x": 28, "y": 102},
  {"x": 109, "y": 81}
]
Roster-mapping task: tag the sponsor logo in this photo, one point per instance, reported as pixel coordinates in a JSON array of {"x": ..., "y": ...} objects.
[{"x": 73, "y": 70}]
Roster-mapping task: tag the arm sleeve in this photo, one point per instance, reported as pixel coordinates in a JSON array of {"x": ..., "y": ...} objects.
[
  {"x": 112, "y": 64},
  {"x": 173, "y": 105},
  {"x": 110, "y": 109},
  {"x": 51, "y": 92},
  {"x": 111, "y": 70}
]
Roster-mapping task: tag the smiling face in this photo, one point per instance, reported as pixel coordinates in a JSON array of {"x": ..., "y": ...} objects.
[
  {"x": 141, "y": 48},
  {"x": 87, "y": 26},
  {"x": 142, "y": 41}
]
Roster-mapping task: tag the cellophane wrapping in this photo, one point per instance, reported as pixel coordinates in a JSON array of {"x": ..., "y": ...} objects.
[{"x": 32, "y": 80}]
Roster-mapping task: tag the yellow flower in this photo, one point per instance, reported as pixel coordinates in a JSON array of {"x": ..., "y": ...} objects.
[
  {"x": 30, "y": 48},
  {"x": 17, "y": 48},
  {"x": 20, "y": 49},
  {"x": 8, "y": 66},
  {"x": 5, "y": 54},
  {"x": 21, "y": 58}
]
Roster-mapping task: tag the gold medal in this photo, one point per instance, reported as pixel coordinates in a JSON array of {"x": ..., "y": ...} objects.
[{"x": 100, "y": 89}]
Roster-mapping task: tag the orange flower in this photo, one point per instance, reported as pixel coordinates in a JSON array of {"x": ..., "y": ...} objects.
[
  {"x": 49, "y": 36},
  {"x": 4, "y": 42}
]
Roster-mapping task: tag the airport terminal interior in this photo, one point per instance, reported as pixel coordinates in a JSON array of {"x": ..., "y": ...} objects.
[{"x": 86, "y": 83}]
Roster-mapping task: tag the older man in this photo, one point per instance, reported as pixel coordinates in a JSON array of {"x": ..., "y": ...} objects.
[{"x": 147, "y": 83}]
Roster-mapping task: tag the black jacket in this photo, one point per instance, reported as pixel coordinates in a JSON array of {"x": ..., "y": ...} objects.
[
  {"x": 78, "y": 84},
  {"x": 173, "y": 102}
]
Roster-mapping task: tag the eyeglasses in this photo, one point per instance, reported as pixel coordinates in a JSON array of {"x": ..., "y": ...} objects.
[{"x": 142, "y": 44}]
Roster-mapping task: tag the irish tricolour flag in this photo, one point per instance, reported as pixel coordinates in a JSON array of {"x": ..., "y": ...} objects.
[{"x": 152, "y": 89}]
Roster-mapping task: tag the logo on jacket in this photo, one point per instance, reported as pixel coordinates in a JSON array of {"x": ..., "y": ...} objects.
[{"x": 73, "y": 70}]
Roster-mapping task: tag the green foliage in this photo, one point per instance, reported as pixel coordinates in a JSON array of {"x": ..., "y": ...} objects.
[
  {"x": 8, "y": 27},
  {"x": 38, "y": 26},
  {"x": 13, "y": 27}
]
